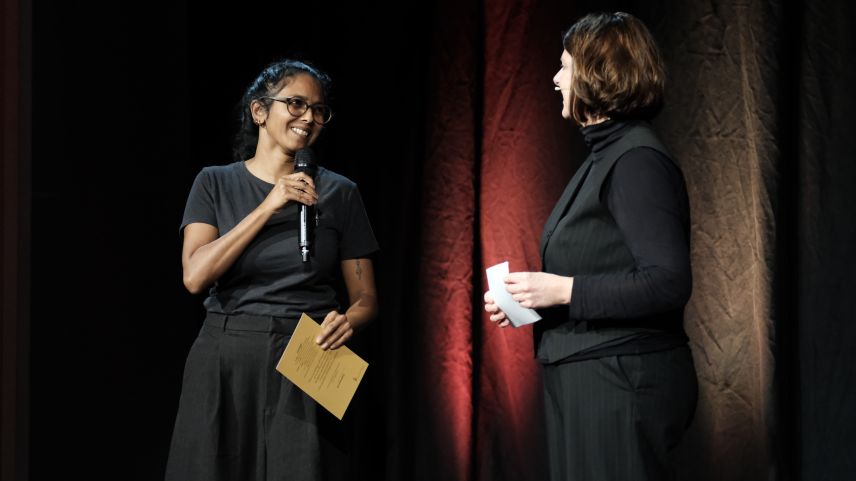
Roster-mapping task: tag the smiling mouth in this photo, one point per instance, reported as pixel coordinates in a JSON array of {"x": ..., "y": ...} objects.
[{"x": 300, "y": 132}]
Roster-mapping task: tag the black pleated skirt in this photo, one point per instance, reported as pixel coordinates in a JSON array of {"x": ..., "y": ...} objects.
[
  {"x": 617, "y": 418},
  {"x": 238, "y": 418}
]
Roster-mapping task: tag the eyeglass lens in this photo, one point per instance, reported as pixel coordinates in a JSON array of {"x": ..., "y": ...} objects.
[{"x": 320, "y": 112}]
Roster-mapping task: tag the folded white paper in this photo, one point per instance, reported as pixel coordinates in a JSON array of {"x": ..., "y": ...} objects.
[{"x": 517, "y": 314}]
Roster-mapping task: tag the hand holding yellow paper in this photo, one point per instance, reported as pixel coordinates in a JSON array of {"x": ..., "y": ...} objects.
[{"x": 329, "y": 377}]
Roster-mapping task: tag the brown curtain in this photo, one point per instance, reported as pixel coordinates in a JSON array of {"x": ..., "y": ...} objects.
[
  {"x": 722, "y": 122},
  {"x": 14, "y": 238}
]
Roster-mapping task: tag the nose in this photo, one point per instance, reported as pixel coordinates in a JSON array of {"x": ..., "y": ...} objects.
[{"x": 308, "y": 116}]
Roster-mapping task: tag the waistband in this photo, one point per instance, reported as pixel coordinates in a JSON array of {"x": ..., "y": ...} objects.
[{"x": 250, "y": 322}]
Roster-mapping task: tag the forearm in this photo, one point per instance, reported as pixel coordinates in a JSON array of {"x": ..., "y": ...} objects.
[
  {"x": 362, "y": 311},
  {"x": 208, "y": 262},
  {"x": 635, "y": 294},
  {"x": 362, "y": 293}
]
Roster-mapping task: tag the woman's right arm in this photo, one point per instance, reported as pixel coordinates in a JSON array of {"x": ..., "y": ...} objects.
[{"x": 205, "y": 256}]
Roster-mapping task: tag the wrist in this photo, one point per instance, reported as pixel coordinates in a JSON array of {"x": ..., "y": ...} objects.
[
  {"x": 570, "y": 289},
  {"x": 566, "y": 287},
  {"x": 265, "y": 211}
]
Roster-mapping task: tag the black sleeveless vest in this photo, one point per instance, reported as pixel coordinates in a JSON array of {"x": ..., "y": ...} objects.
[{"x": 581, "y": 237}]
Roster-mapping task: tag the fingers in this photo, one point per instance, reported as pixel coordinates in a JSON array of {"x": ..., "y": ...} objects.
[
  {"x": 520, "y": 286},
  {"x": 516, "y": 277},
  {"x": 305, "y": 190},
  {"x": 298, "y": 187},
  {"x": 500, "y": 319},
  {"x": 335, "y": 331},
  {"x": 302, "y": 177},
  {"x": 339, "y": 336},
  {"x": 496, "y": 315}
]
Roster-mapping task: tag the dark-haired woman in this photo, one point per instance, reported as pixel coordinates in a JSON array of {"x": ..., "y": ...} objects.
[
  {"x": 619, "y": 383},
  {"x": 238, "y": 418}
]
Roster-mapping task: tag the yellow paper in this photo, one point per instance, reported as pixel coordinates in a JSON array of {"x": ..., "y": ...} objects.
[{"x": 329, "y": 377}]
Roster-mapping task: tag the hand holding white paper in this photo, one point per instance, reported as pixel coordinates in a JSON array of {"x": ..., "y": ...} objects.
[{"x": 517, "y": 314}]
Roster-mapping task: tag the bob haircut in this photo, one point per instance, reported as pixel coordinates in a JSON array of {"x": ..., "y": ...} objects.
[{"x": 618, "y": 71}]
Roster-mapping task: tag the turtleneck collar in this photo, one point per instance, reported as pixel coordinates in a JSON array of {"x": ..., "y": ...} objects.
[{"x": 599, "y": 136}]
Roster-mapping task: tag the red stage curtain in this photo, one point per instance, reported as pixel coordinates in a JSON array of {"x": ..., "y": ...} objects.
[
  {"x": 523, "y": 169},
  {"x": 444, "y": 407},
  {"x": 496, "y": 161}
]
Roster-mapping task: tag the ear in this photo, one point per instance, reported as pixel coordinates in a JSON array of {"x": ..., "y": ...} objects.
[{"x": 259, "y": 112}]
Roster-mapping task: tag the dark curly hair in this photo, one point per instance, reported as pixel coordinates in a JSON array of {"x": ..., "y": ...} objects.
[
  {"x": 618, "y": 70},
  {"x": 268, "y": 82}
]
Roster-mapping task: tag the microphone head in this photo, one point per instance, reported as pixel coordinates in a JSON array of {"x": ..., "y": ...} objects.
[{"x": 304, "y": 161}]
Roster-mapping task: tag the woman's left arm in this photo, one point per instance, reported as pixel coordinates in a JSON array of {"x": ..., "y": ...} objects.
[
  {"x": 647, "y": 197},
  {"x": 337, "y": 328}
]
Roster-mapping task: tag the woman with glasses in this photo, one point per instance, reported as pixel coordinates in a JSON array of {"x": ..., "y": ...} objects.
[
  {"x": 238, "y": 418},
  {"x": 619, "y": 382}
]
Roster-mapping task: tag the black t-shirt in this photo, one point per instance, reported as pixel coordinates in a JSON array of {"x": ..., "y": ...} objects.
[{"x": 269, "y": 277}]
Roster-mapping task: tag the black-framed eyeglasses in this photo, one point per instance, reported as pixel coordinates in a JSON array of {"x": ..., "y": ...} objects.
[{"x": 296, "y": 106}]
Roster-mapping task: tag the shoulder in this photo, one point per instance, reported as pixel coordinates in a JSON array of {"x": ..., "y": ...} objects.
[
  {"x": 645, "y": 162},
  {"x": 646, "y": 169},
  {"x": 219, "y": 175},
  {"x": 218, "y": 172},
  {"x": 645, "y": 152},
  {"x": 335, "y": 181}
]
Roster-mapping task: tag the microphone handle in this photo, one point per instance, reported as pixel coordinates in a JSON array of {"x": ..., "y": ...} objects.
[{"x": 303, "y": 237}]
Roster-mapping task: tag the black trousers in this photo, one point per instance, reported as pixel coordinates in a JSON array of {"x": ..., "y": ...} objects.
[
  {"x": 616, "y": 418},
  {"x": 238, "y": 418}
]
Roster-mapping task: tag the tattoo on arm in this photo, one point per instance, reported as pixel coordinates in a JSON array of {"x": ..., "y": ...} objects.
[{"x": 359, "y": 270}]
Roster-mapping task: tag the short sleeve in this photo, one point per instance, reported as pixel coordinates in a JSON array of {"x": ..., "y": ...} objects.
[
  {"x": 200, "y": 202},
  {"x": 358, "y": 239}
]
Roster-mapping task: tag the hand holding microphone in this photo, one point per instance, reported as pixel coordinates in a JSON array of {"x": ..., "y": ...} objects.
[{"x": 304, "y": 162}]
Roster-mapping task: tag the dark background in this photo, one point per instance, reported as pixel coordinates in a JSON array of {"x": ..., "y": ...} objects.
[{"x": 128, "y": 100}]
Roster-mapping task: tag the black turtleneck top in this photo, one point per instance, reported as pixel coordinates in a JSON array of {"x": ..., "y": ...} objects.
[
  {"x": 645, "y": 194},
  {"x": 647, "y": 197}
]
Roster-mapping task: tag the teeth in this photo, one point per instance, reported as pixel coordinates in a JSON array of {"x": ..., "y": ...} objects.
[{"x": 304, "y": 133}]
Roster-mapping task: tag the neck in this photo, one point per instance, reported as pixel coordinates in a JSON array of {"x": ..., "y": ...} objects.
[{"x": 271, "y": 164}]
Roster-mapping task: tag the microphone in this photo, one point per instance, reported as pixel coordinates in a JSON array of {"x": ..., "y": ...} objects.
[{"x": 304, "y": 161}]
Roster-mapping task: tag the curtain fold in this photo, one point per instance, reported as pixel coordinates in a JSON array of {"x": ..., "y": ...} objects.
[
  {"x": 444, "y": 400},
  {"x": 523, "y": 168},
  {"x": 721, "y": 122},
  {"x": 825, "y": 209}
]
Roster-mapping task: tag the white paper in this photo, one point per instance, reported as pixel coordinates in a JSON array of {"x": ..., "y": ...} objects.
[{"x": 517, "y": 314}]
